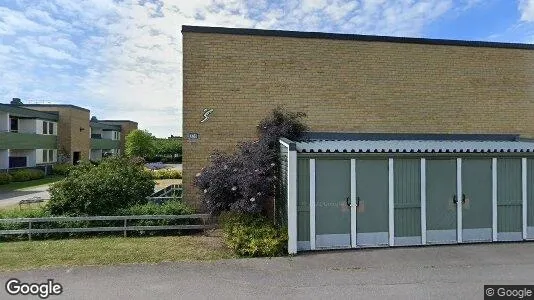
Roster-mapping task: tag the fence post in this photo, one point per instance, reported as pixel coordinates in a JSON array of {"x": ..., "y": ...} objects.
[
  {"x": 125, "y": 220},
  {"x": 29, "y": 230}
]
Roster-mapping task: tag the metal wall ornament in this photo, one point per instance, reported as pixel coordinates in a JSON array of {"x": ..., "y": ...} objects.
[{"x": 206, "y": 114}]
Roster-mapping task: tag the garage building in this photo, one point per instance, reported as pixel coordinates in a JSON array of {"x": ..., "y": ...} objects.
[{"x": 376, "y": 190}]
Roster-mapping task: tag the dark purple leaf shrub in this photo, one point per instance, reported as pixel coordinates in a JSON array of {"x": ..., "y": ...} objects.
[{"x": 245, "y": 180}]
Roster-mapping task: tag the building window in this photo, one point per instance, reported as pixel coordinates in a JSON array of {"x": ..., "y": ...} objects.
[
  {"x": 48, "y": 156},
  {"x": 50, "y": 128},
  {"x": 45, "y": 127},
  {"x": 13, "y": 124}
]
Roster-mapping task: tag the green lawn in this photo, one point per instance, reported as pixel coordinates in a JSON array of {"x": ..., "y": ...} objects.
[
  {"x": 13, "y": 186},
  {"x": 109, "y": 251}
]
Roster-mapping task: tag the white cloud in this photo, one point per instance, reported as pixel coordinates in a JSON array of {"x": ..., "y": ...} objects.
[
  {"x": 123, "y": 58},
  {"x": 526, "y": 8}
]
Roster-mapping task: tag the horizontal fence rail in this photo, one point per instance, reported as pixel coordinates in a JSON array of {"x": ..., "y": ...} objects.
[{"x": 205, "y": 218}]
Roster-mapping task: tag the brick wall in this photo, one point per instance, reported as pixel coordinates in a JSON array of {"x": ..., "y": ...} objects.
[{"x": 348, "y": 86}]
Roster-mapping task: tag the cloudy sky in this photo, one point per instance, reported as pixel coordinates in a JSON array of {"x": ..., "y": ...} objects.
[{"x": 122, "y": 58}]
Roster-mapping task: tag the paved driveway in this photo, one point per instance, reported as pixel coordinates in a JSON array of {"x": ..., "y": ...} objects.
[{"x": 446, "y": 272}]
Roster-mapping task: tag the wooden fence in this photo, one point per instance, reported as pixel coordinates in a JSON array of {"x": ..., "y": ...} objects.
[{"x": 204, "y": 218}]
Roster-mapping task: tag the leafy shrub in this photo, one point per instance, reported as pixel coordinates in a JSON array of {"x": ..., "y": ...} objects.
[
  {"x": 114, "y": 184},
  {"x": 252, "y": 235},
  {"x": 61, "y": 169},
  {"x": 173, "y": 207},
  {"x": 245, "y": 181},
  {"x": 38, "y": 212},
  {"x": 5, "y": 178},
  {"x": 166, "y": 174},
  {"x": 26, "y": 175}
]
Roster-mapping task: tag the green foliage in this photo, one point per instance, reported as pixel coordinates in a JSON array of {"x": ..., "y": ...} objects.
[
  {"x": 26, "y": 175},
  {"x": 167, "y": 150},
  {"x": 61, "y": 169},
  {"x": 252, "y": 235},
  {"x": 103, "y": 189},
  {"x": 5, "y": 178},
  {"x": 166, "y": 174},
  {"x": 140, "y": 143},
  {"x": 39, "y": 212},
  {"x": 174, "y": 207}
]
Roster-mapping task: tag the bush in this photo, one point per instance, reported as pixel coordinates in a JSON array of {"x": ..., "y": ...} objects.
[
  {"x": 252, "y": 235},
  {"x": 61, "y": 169},
  {"x": 39, "y": 212},
  {"x": 173, "y": 207},
  {"x": 245, "y": 181},
  {"x": 166, "y": 174},
  {"x": 5, "y": 178},
  {"x": 104, "y": 189},
  {"x": 26, "y": 175}
]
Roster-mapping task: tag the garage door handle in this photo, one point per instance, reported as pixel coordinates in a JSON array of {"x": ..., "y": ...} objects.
[
  {"x": 454, "y": 200},
  {"x": 357, "y": 201},
  {"x": 348, "y": 201},
  {"x": 463, "y": 198}
]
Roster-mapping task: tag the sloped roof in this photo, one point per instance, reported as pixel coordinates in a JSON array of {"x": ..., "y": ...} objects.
[{"x": 414, "y": 146}]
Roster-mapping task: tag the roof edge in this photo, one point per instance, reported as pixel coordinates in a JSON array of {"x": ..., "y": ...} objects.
[
  {"x": 354, "y": 37},
  {"x": 310, "y": 135},
  {"x": 56, "y": 105}
]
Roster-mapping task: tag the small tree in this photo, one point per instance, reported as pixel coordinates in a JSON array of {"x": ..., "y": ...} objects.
[
  {"x": 140, "y": 143},
  {"x": 245, "y": 181},
  {"x": 170, "y": 148},
  {"x": 103, "y": 189}
]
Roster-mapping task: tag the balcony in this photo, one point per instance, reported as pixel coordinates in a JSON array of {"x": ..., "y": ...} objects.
[
  {"x": 27, "y": 141},
  {"x": 97, "y": 144}
]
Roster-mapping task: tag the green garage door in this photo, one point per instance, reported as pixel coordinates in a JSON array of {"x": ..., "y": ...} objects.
[
  {"x": 332, "y": 199},
  {"x": 303, "y": 204},
  {"x": 509, "y": 200},
  {"x": 440, "y": 201},
  {"x": 407, "y": 201},
  {"x": 372, "y": 217},
  {"x": 530, "y": 198},
  {"x": 476, "y": 200}
]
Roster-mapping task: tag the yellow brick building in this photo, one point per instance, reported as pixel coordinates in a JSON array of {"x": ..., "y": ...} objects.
[{"x": 348, "y": 83}]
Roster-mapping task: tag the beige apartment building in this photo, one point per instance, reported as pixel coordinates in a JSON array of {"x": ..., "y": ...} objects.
[{"x": 33, "y": 135}]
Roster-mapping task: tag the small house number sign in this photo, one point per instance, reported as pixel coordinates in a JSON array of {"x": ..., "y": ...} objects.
[{"x": 192, "y": 136}]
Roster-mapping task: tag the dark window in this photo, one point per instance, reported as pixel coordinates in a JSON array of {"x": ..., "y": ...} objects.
[
  {"x": 50, "y": 155},
  {"x": 50, "y": 128},
  {"x": 45, "y": 155},
  {"x": 17, "y": 162},
  {"x": 14, "y": 124},
  {"x": 45, "y": 128}
]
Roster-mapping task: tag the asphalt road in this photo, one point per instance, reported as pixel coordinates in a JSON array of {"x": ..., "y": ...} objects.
[{"x": 441, "y": 272}]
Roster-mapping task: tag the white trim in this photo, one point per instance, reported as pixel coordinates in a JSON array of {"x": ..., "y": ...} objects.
[
  {"x": 423, "y": 201},
  {"x": 391, "y": 205},
  {"x": 459, "y": 199},
  {"x": 353, "y": 203},
  {"x": 312, "y": 204},
  {"x": 285, "y": 144},
  {"x": 494, "y": 198},
  {"x": 524, "y": 194},
  {"x": 292, "y": 201}
]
